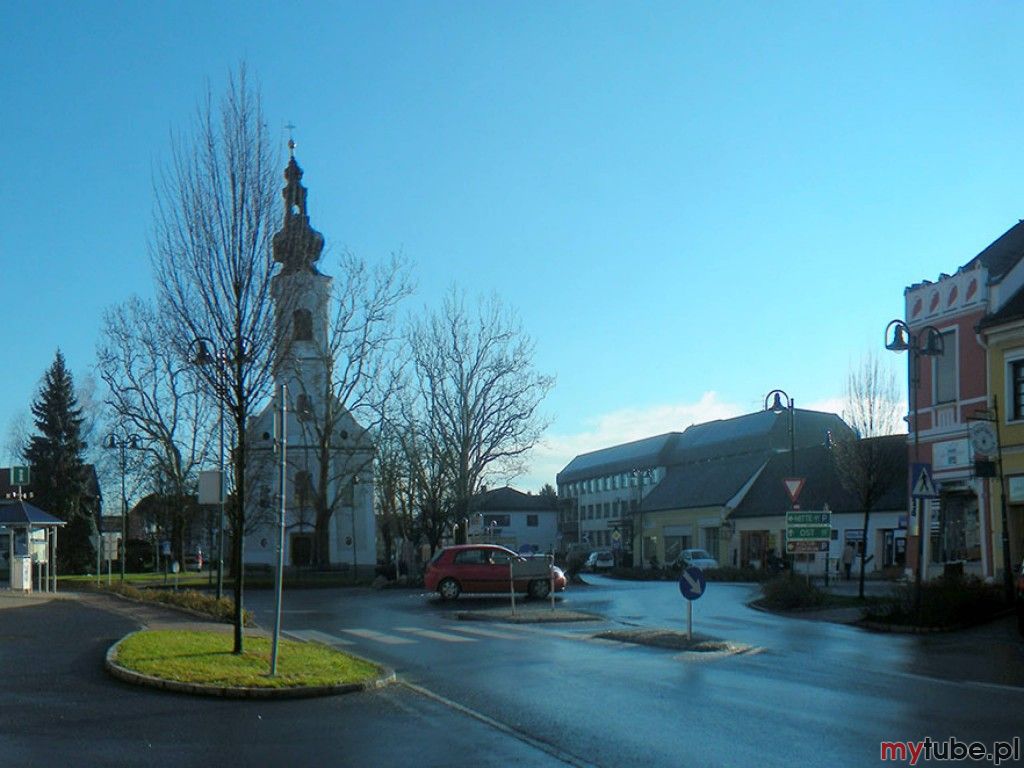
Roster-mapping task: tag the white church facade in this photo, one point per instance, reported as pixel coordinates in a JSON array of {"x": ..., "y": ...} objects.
[{"x": 329, "y": 488}]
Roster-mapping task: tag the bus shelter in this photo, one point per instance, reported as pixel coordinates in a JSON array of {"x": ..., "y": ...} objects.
[{"x": 31, "y": 540}]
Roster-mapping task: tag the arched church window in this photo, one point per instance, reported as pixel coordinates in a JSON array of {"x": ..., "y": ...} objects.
[
  {"x": 303, "y": 406},
  {"x": 302, "y": 325}
]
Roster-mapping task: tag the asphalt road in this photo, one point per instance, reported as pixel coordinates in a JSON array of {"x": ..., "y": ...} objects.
[
  {"x": 59, "y": 708},
  {"x": 814, "y": 693}
]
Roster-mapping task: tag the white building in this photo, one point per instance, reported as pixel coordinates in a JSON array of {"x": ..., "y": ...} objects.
[{"x": 329, "y": 520}]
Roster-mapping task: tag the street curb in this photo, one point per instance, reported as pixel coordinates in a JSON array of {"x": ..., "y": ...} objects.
[
  {"x": 387, "y": 677},
  {"x": 538, "y": 616}
]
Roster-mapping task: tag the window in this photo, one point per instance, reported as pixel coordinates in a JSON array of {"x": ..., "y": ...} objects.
[
  {"x": 607, "y": 510},
  {"x": 1017, "y": 390},
  {"x": 303, "y": 406},
  {"x": 501, "y": 521},
  {"x": 303, "y": 488},
  {"x": 302, "y": 325},
  {"x": 469, "y": 557},
  {"x": 531, "y": 521},
  {"x": 944, "y": 368}
]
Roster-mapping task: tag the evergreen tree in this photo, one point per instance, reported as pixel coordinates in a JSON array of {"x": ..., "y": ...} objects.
[{"x": 58, "y": 472}]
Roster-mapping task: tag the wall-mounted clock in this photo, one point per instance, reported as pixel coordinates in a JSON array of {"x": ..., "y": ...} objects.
[{"x": 983, "y": 437}]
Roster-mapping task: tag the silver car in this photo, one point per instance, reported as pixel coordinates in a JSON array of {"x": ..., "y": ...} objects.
[{"x": 696, "y": 557}]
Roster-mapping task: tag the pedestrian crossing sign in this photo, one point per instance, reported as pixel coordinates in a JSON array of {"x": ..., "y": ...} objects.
[{"x": 923, "y": 487}]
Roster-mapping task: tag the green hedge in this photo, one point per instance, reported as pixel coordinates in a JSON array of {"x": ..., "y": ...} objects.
[
  {"x": 218, "y": 610},
  {"x": 791, "y": 593},
  {"x": 948, "y": 601}
]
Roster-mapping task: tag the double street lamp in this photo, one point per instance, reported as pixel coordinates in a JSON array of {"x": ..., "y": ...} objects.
[
  {"x": 123, "y": 443},
  {"x": 927, "y": 342},
  {"x": 640, "y": 474}
]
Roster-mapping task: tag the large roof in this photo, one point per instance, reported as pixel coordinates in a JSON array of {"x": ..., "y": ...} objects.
[
  {"x": 649, "y": 452},
  {"x": 817, "y": 465},
  {"x": 510, "y": 500},
  {"x": 20, "y": 514},
  {"x": 1001, "y": 256},
  {"x": 757, "y": 433},
  {"x": 711, "y": 483}
]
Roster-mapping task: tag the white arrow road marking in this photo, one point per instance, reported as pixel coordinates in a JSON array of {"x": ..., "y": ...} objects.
[{"x": 694, "y": 585}]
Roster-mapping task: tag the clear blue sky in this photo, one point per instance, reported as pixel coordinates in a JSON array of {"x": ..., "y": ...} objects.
[{"x": 689, "y": 204}]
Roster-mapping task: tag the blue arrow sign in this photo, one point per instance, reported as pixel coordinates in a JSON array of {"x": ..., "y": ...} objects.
[{"x": 691, "y": 582}]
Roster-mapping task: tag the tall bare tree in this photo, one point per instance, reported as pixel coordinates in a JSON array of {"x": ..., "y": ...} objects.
[
  {"x": 869, "y": 466},
  {"x": 363, "y": 373},
  {"x": 478, "y": 393},
  {"x": 156, "y": 393},
  {"x": 216, "y": 210}
]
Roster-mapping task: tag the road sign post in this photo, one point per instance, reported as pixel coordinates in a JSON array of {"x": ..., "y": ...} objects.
[{"x": 691, "y": 585}]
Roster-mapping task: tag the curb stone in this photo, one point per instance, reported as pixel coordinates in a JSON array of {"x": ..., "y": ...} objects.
[{"x": 387, "y": 677}]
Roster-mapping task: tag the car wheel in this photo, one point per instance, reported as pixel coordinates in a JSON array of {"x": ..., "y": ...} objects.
[
  {"x": 540, "y": 589},
  {"x": 449, "y": 589}
]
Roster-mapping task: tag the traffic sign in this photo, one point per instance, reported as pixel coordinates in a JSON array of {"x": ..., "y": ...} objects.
[
  {"x": 806, "y": 547},
  {"x": 20, "y": 476},
  {"x": 923, "y": 487},
  {"x": 692, "y": 583},
  {"x": 793, "y": 487},
  {"x": 808, "y": 518},
  {"x": 809, "y": 532}
]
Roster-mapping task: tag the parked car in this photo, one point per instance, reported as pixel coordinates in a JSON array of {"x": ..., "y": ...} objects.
[
  {"x": 694, "y": 557},
  {"x": 485, "y": 568},
  {"x": 601, "y": 560}
]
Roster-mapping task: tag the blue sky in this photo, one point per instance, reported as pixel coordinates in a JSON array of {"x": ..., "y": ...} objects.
[{"x": 689, "y": 204}]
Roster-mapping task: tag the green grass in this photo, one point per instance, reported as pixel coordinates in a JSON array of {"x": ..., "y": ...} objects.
[{"x": 206, "y": 658}]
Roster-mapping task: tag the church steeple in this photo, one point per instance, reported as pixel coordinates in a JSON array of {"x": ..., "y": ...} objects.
[{"x": 296, "y": 245}]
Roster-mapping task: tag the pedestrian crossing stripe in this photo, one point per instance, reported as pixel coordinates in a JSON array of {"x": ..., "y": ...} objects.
[
  {"x": 380, "y": 637},
  {"x": 442, "y": 636},
  {"x": 486, "y": 633},
  {"x": 317, "y": 636}
]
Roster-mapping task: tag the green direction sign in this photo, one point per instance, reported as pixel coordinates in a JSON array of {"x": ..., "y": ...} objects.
[
  {"x": 808, "y": 518},
  {"x": 808, "y": 532},
  {"x": 20, "y": 476}
]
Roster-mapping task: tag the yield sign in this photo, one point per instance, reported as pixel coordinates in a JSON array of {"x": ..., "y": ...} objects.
[{"x": 793, "y": 487}]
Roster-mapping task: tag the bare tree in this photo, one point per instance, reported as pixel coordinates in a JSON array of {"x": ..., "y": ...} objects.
[
  {"x": 478, "y": 394},
  {"x": 869, "y": 465},
  {"x": 363, "y": 373},
  {"x": 157, "y": 394},
  {"x": 216, "y": 210}
]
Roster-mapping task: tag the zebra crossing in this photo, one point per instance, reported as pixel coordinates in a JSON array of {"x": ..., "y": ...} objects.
[{"x": 393, "y": 636}]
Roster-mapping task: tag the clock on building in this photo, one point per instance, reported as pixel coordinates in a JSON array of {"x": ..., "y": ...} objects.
[{"x": 983, "y": 437}]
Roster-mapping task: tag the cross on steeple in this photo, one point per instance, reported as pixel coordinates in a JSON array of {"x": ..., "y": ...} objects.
[{"x": 291, "y": 140}]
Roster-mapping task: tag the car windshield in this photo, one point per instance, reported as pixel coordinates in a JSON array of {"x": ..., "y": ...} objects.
[{"x": 699, "y": 554}]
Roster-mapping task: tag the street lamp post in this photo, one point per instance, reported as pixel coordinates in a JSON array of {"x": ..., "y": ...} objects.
[
  {"x": 123, "y": 444},
  {"x": 640, "y": 474},
  {"x": 776, "y": 396},
  {"x": 202, "y": 352},
  {"x": 926, "y": 342}
]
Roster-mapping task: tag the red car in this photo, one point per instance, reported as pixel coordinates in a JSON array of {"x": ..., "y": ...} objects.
[{"x": 485, "y": 568}]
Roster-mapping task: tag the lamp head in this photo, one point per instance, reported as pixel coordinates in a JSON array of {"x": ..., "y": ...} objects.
[
  {"x": 898, "y": 342},
  {"x": 934, "y": 344}
]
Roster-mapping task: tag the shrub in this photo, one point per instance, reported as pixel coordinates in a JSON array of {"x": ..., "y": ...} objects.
[
  {"x": 731, "y": 573},
  {"x": 790, "y": 593},
  {"x": 948, "y": 601},
  {"x": 219, "y": 610}
]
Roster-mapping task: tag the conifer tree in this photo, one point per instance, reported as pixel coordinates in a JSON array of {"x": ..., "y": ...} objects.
[{"x": 58, "y": 472}]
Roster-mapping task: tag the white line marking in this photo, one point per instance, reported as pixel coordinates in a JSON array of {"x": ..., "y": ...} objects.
[
  {"x": 486, "y": 633},
  {"x": 380, "y": 637},
  {"x": 318, "y": 636},
  {"x": 443, "y": 636}
]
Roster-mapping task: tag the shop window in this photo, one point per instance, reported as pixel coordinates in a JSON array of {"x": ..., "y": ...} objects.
[{"x": 1017, "y": 391}]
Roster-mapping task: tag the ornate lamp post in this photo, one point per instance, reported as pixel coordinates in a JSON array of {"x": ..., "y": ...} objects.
[
  {"x": 203, "y": 352},
  {"x": 123, "y": 444},
  {"x": 640, "y": 474},
  {"x": 778, "y": 407},
  {"x": 926, "y": 342}
]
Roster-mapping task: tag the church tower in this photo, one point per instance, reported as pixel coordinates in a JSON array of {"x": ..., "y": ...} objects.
[{"x": 329, "y": 479}]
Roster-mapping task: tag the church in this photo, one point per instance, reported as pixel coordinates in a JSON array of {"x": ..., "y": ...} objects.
[{"x": 329, "y": 488}]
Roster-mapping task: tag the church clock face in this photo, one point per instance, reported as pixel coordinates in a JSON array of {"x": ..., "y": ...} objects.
[{"x": 983, "y": 437}]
